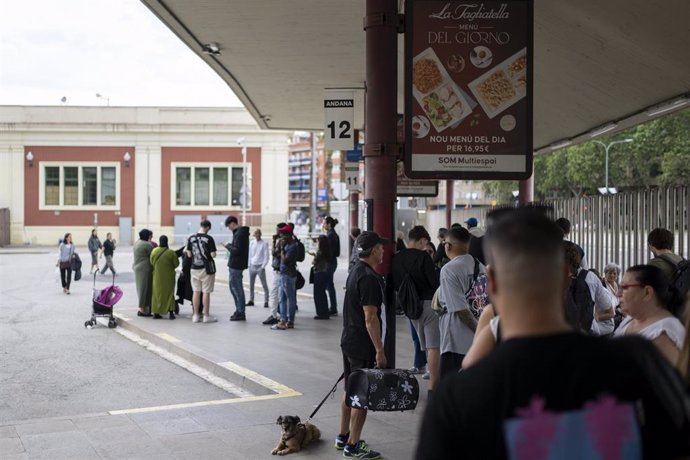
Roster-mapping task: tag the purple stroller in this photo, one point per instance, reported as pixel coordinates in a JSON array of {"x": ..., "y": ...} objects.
[{"x": 103, "y": 302}]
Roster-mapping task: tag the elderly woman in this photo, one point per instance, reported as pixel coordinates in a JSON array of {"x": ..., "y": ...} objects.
[
  {"x": 612, "y": 273},
  {"x": 164, "y": 261},
  {"x": 645, "y": 299},
  {"x": 143, "y": 271}
]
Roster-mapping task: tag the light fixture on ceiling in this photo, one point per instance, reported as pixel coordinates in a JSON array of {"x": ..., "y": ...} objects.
[
  {"x": 266, "y": 118},
  {"x": 664, "y": 107},
  {"x": 127, "y": 157},
  {"x": 603, "y": 129},
  {"x": 212, "y": 49},
  {"x": 560, "y": 144},
  {"x": 30, "y": 159}
]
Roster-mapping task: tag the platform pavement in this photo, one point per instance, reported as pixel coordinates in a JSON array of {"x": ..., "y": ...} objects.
[{"x": 300, "y": 364}]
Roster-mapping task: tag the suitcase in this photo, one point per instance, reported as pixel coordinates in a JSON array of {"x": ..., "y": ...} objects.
[{"x": 382, "y": 390}]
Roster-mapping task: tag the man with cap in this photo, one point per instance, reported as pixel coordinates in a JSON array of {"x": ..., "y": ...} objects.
[
  {"x": 287, "y": 290},
  {"x": 364, "y": 333},
  {"x": 477, "y": 240}
]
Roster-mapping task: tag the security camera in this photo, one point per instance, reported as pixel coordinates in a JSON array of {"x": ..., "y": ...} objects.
[{"x": 240, "y": 141}]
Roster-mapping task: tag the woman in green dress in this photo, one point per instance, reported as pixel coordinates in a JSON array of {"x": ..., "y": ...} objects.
[
  {"x": 143, "y": 271},
  {"x": 164, "y": 261}
]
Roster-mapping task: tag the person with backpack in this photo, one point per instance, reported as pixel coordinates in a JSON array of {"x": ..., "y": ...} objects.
[
  {"x": 649, "y": 306},
  {"x": 457, "y": 323},
  {"x": 414, "y": 274},
  {"x": 274, "y": 296},
  {"x": 675, "y": 268},
  {"x": 288, "y": 248},
  {"x": 660, "y": 243},
  {"x": 584, "y": 293},
  {"x": 329, "y": 227}
]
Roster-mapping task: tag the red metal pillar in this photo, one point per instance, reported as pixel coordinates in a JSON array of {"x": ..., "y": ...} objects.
[
  {"x": 450, "y": 202},
  {"x": 381, "y": 144},
  {"x": 526, "y": 190},
  {"x": 354, "y": 212}
]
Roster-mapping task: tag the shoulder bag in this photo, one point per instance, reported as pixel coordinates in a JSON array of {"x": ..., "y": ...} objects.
[{"x": 209, "y": 263}]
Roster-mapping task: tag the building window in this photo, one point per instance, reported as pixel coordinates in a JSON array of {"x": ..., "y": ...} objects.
[
  {"x": 77, "y": 186},
  {"x": 208, "y": 185}
]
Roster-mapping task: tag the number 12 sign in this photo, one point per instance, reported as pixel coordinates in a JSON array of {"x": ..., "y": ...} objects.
[{"x": 339, "y": 107}]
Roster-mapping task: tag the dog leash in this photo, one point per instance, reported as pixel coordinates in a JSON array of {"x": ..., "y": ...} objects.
[{"x": 332, "y": 390}]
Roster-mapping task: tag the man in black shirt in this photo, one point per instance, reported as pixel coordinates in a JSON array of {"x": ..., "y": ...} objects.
[
  {"x": 364, "y": 332},
  {"x": 416, "y": 262},
  {"x": 107, "y": 251},
  {"x": 201, "y": 247},
  {"x": 547, "y": 391}
]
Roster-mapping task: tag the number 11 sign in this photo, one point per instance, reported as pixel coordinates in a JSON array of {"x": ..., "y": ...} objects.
[{"x": 339, "y": 107}]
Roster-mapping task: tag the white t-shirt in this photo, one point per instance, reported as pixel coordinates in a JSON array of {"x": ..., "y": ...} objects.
[
  {"x": 671, "y": 326},
  {"x": 456, "y": 277},
  {"x": 603, "y": 301}
]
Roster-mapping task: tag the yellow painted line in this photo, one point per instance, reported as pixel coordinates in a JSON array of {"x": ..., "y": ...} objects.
[
  {"x": 260, "y": 379},
  {"x": 168, "y": 337}
]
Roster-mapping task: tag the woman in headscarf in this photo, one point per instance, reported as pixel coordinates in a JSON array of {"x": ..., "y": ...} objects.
[
  {"x": 164, "y": 261},
  {"x": 143, "y": 271}
]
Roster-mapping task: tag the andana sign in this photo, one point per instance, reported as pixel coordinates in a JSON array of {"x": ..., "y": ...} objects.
[{"x": 468, "y": 98}]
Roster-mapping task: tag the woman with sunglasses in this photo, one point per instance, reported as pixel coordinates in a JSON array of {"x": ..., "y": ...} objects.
[{"x": 645, "y": 299}]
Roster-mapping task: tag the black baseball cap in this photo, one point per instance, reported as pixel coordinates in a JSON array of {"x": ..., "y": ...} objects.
[{"x": 367, "y": 240}]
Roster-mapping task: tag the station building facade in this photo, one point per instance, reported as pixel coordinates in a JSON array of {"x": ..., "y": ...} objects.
[{"x": 120, "y": 169}]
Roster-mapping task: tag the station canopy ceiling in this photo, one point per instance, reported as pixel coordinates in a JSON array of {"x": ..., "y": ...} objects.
[{"x": 596, "y": 62}]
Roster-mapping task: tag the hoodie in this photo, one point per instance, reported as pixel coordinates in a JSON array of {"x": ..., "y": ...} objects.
[{"x": 239, "y": 249}]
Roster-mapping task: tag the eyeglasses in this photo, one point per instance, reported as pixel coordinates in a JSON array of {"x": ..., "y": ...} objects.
[{"x": 625, "y": 287}]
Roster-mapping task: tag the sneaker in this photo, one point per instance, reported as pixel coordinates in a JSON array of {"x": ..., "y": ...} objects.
[
  {"x": 196, "y": 318},
  {"x": 238, "y": 317},
  {"x": 157, "y": 316},
  {"x": 281, "y": 326},
  {"x": 271, "y": 320},
  {"x": 290, "y": 324},
  {"x": 417, "y": 370},
  {"x": 266, "y": 305},
  {"x": 250, "y": 303},
  {"x": 426, "y": 376},
  {"x": 171, "y": 315},
  {"x": 333, "y": 312},
  {"x": 360, "y": 450},
  {"x": 210, "y": 319},
  {"x": 341, "y": 440}
]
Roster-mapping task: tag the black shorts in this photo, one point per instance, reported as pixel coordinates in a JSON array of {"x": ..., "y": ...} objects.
[{"x": 352, "y": 364}]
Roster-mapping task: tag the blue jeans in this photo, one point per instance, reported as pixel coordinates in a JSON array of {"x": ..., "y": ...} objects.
[
  {"x": 236, "y": 289},
  {"x": 320, "y": 299},
  {"x": 419, "y": 354},
  {"x": 288, "y": 298},
  {"x": 330, "y": 287}
]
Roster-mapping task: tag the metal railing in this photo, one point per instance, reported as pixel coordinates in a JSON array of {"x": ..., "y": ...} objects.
[{"x": 614, "y": 228}]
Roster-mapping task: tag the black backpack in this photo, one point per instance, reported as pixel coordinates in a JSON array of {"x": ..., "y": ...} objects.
[
  {"x": 579, "y": 305},
  {"x": 680, "y": 282},
  {"x": 408, "y": 298},
  {"x": 301, "y": 252}
]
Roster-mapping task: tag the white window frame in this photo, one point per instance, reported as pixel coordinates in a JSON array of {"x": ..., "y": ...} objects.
[
  {"x": 210, "y": 165},
  {"x": 42, "y": 206}
]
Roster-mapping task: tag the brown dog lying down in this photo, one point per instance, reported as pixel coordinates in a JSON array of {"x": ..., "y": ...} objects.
[{"x": 295, "y": 435}]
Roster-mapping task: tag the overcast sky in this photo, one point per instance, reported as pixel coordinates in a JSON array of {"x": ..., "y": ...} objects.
[{"x": 51, "y": 49}]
